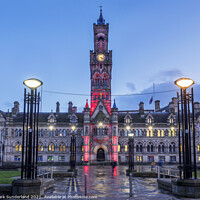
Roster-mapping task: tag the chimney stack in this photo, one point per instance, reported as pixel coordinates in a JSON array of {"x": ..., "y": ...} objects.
[
  {"x": 141, "y": 108},
  {"x": 157, "y": 105},
  {"x": 70, "y": 104},
  {"x": 57, "y": 107}
]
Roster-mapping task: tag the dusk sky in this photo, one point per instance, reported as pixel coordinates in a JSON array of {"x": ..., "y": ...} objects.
[{"x": 153, "y": 41}]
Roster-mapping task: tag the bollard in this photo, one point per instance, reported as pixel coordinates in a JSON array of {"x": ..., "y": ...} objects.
[
  {"x": 51, "y": 173},
  {"x": 85, "y": 184},
  {"x": 158, "y": 172},
  {"x": 130, "y": 184}
]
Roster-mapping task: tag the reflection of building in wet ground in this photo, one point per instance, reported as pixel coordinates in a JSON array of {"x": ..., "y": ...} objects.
[{"x": 102, "y": 183}]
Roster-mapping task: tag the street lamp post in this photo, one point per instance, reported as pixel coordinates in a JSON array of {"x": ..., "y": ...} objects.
[
  {"x": 130, "y": 149},
  {"x": 73, "y": 149},
  {"x": 30, "y": 130},
  {"x": 185, "y": 101}
]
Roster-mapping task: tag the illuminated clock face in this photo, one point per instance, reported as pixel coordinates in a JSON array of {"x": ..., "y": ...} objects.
[{"x": 100, "y": 57}]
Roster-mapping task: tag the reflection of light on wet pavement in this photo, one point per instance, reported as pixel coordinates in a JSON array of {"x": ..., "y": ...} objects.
[{"x": 108, "y": 184}]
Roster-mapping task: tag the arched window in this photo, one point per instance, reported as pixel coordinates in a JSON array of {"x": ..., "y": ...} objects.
[
  {"x": 140, "y": 133},
  {"x": 162, "y": 133},
  {"x": 119, "y": 147},
  {"x": 40, "y": 147},
  {"x": 173, "y": 132},
  {"x": 148, "y": 133},
  {"x": 139, "y": 147},
  {"x": 136, "y": 133},
  {"x": 105, "y": 82},
  {"x": 64, "y": 132},
  {"x": 158, "y": 133},
  {"x": 126, "y": 148},
  {"x": 150, "y": 147},
  {"x": 51, "y": 147},
  {"x": 62, "y": 147},
  {"x": 60, "y": 133},
  {"x": 97, "y": 83},
  {"x": 170, "y": 133},
  {"x": 20, "y": 132},
  {"x": 198, "y": 147},
  {"x": 161, "y": 148},
  {"x": 18, "y": 147},
  {"x": 16, "y": 132},
  {"x": 172, "y": 148},
  {"x": 42, "y": 132}
]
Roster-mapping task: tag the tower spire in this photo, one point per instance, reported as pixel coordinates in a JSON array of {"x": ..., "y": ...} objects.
[{"x": 101, "y": 20}]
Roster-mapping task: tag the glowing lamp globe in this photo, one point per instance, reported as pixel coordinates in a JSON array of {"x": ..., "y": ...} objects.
[
  {"x": 32, "y": 83},
  {"x": 184, "y": 83}
]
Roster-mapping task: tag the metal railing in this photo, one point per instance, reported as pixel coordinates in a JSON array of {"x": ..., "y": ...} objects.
[
  {"x": 167, "y": 172},
  {"x": 45, "y": 173}
]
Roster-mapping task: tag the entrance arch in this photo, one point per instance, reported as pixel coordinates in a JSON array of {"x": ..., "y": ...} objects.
[{"x": 100, "y": 154}]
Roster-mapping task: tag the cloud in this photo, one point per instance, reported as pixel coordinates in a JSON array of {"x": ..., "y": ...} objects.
[
  {"x": 163, "y": 92},
  {"x": 166, "y": 75},
  {"x": 131, "y": 86}
]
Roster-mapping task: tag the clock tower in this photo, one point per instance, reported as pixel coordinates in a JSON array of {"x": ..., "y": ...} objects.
[{"x": 100, "y": 66}]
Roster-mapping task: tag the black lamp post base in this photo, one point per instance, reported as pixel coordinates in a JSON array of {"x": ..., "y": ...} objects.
[
  {"x": 28, "y": 187},
  {"x": 128, "y": 171},
  {"x": 73, "y": 170}
]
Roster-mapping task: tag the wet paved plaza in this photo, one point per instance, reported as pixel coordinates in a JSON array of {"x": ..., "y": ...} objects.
[{"x": 103, "y": 183}]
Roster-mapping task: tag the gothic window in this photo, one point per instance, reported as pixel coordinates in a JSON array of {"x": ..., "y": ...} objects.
[
  {"x": 172, "y": 148},
  {"x": 20, "y": 132},
  {"x": 40, "y": 147},
  {"x": 105, "y": 83},
  {"x": 18, "y": 147},
  {"x": 136, "y": 133},
  {"x": 73, "y": 119},
  {"x": 173, "y": 132},
  {"x": 60, "y": 134},
  {"x": 126, "y": 148},
  {"x": 198, "y": 147},
  {"x": 51, "y": 147},
  {"x": 161, "y": 148},
  {"x": 62, "y": 147},
  {"x": 16, "y": 133},
  {"x": 106, "y": 131},
  {"x": 149, "y": 120},
  {"x": 140, "y": 133},
  {"x": 64, "y": 132},
  {"x": 158, "y": 133},
  {"x": 162, "y": 133},
  {"x": 139, "y": 147},
  {"x": 100, "y": 131},
  {"x": 51, "y": 120},
  {"x": 119, "y": 147},
  {"x": 97, "y": 83},
  {"x": 150, "y": 147}
]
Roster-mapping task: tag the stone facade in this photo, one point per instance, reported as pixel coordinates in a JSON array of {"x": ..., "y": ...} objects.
[{"x": 101, "y": 131}]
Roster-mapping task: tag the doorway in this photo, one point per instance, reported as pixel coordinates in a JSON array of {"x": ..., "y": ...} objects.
[{"x": 100, "y": 155}]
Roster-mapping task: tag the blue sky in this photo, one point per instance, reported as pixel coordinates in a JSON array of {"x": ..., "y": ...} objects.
[{"x": 153, "y": 41}]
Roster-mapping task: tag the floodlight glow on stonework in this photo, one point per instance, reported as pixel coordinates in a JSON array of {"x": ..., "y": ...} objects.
[
  {"x": 150, "y": 127},
  {"x": 131, "y": 134},
  {"x": 73, "y": 128},
  {"x": 100, "y": 124},
  {"x": 32, "y": 83},
  {"x": 51, "y": 128},
  {"x": 128, "y": 128},
  {"x": 184, "y": 83}
]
